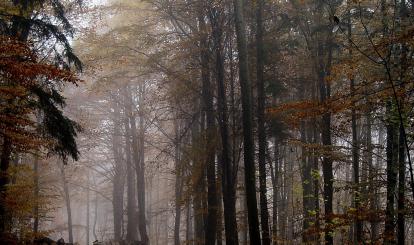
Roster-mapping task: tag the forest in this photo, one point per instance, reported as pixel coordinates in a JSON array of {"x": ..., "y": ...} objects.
[{"x": 206, "y": 122}]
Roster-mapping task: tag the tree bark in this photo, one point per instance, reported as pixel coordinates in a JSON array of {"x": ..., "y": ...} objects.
[
  {"x": 87, "y": 228},
  {"x": 36, "y": 194},
  {"x": 327, "y": 169},
  {"x": 307, "y": 194},
  {"x": 207, "y": 96},
  {"x": 275, "y": 175},
  {"x": 355, "y": 150},
  {"x": 140, "y": 167},
  {"x": 119, "y": 174},
  {"x": 228, "y": 176},
  {"x": 131, "y": 201},
  {"x": 67, "y": 202},
  {"x": 246, "y": 98},
  {"x": 315, "y": 176},
  {"x": 391, "y": 148},
  {"x": 198, "y": 183},
  {"x": 178, "y": 184},
  {"x": 261, "y": 102},
  {"x": 401, "y": 189},
  {"x": 4, "y": 180}
]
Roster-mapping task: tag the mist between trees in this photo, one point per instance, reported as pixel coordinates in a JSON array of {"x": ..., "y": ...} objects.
[{"x": 206, "y": 122}]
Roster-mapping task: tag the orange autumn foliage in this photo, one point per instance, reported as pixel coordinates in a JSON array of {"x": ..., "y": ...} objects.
[{"x": 21, "y": 73}]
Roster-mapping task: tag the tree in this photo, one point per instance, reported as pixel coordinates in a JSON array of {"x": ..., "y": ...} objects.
[
  {"x": 23, "y": 94},
  {"x": 261, "y": 101},
  {"x": 228, "y": 175},
  {"x": 207, "y": 95},
  {"x": 249, "y": 166}
]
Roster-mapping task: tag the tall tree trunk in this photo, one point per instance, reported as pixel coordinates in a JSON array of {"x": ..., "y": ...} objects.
[
  {"x": 87, "y": 228},
  {"x": 403, "y": 14},
  {"x": 188, "y": 230},
  {"x": 274, "y": 176},
  {"x": 327, "y": 169},
  {"x": 131, "y": 201},
  {"x": 261, "y": 102},
  {"x": 4, "y": 180},
  {"x": 391, "y": 148},
  {"x": 178, "y": 184},
  {"x": 327, "y": 177},
  {"x": 211, "y": 225},
  {"x": 315, "y": 174},
  {"x": 220, "y": 213},
  {"x": 36, "y": 194},
  {"x": 119, "y": 173},
  {"x": 246, "y": 98},
  {"x": 307, "y": 194},
  {"x": 355, "y": 150},
  {"x": 282, "y": 203},
  {"x": 67, "y": 201},
  {"x": 243, "y": 210},
  {"x": 401, "y": 189},
  {"x": 375, "y": 226},
  {"x": 139, "y": 158},
  {"x": 228, "y": 175},
  {"x": 372, "y": 189},
  {"x": 157, "y": 219},
  {"x": 95, "y": 217},
  {"x": 198, "y": 183},
  {"x": 355, "y": 164}
]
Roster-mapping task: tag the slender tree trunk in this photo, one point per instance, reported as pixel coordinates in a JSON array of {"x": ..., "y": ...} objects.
[
  {"x": 119, "y": 174},
  {"x": 307, "y": 195},
  {"x": 87, "y": 228},
  {"x": 282, "y": 204},
  {"x": 355, "y": 150},
  {"x": 315, "y": 174},
  {"x": 327, "y": 169},
  {"x": 95, "y": 217},
  {"x": 402, "y": 137},
  {"x": 243, "y": 210},
  {"x": 140, "y": 166},
  {"x": 275, "y": 175},
  {"x": 246, "y": 98},
  {"x": 67, "y": 202},
  {"x": 261, "y": 102},
  {"x": 289, "y": 191},
  {"x": 157, "y": 219},
  {"x": 4, "y": 180},
  {"x": 375, "y": 226},
  {"x": 389, "y": 231},
  {"x": 178, "y": 185},
  {"x": 372, "y": 189},
  {"x": 198, "y": 183},
  {"x": 220, "y": 213},
  {"x": 355, "y": 164},
  {"x": 228, "y": 176},
  {"x": 188, "y": 230},
  {"x": 211, "y": 226},
  {"x": 36, "y": 194},
  {"x": 401, "y": 190},
  {"x": 131, "y": 201}
]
